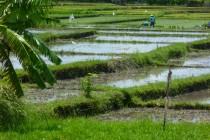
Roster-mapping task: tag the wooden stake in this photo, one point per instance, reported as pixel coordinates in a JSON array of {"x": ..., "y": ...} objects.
[{"x": 167, "y": 97}]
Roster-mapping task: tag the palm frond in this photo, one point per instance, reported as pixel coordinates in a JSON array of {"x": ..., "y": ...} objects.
[
  {"x": 30, "y": 60},
  {"x": 16, "y": 44},
  {"x": 40, "y": 47},
  {"x": 21, "y": 14},
  {"x": 9, "y": 73}
]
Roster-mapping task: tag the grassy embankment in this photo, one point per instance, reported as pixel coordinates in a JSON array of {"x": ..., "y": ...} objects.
[
  {"x": 132, "y": 16},
  {"x": 71, "y": 34}
]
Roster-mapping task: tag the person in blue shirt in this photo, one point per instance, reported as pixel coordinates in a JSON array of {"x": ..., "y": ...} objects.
[{"x": 152, "y": 21}]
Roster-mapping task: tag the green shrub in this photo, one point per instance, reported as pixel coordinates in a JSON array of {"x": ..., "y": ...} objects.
[
  {"x": 87, "y": 84},
  {"x": 12, "y": 113}
]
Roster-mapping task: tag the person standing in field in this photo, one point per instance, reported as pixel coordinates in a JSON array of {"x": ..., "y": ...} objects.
[{"x": 152, "y": 21}]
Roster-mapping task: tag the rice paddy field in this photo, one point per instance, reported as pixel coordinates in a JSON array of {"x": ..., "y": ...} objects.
[{"x": 130, "y": 62}]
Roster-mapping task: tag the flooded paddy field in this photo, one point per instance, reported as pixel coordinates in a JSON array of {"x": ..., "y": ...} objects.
[
  {"x": 125, "y": 44},
  {"x": 202, "y": 97},
  {"x": 70, "y": 88},
  {"x": 177, "y": 73},
  {"x": 161, "y": 33},
  {"x": 161, "y": 39},
  {"x": 66, "y": 59},
  {"x": 193, "y": 66},
  {"x": 106, "y": 48},
  {"x": 127, "y": 78},
  {"x": 120, "y": 79},
  {"x": 199, "y": 61}
]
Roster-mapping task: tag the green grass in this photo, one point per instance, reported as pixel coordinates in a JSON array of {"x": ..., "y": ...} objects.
[
  {"x": 91, "y": 129},
  {"x": 131, "y": 16}
]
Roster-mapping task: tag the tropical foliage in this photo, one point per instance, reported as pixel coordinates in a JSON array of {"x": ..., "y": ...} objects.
[
  {"x": 15, "y": 40},
  {"x": 21, "y": 14}
]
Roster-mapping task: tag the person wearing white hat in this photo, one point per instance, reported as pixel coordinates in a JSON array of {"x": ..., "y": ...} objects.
[{"x": 152, "y": 21}]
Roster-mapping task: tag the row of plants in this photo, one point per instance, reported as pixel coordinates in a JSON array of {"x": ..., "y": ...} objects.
[
  {"x": 50, "y": 37},
  {"x": 152, "y": 2}
]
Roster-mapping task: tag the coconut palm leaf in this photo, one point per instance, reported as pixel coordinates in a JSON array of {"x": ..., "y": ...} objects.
[
  {"x": 21, "y": 14},
  {"x": 17, "y": 45},
  {"x": 41, "y": 48},
  {"x": 40, "y": 65},
  {"x": 9, "y": 73},
  {"x": 30, "y": 60}
]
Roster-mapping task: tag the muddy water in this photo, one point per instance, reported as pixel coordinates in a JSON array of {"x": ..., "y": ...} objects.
[
  {"x": 41, "y": 31},
  {"x": 70, "y": 88},
  {"x": 166, "y": 39},
  {"x": 106, "y": 48},
  {"x": 61, "y": 90},
  {"x": 153, "y": 32},
  {"x": 69, "y": 59},
  {"x": 200, "y": 61},
  {"x": 178, "y": 73},
  {"x": 156, "y": 114},
  {"x": 202, "y": 97}
]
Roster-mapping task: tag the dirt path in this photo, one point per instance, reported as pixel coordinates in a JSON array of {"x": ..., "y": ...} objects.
[{"x": 156, "y": 114}]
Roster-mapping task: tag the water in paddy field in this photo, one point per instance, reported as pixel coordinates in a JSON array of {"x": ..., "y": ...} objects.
[
  {"x": 177, "y": 73},
  {"x": 202, "y": 97},
  {"x": 153, "y": 32},
  {"x": 166, "y": 39},
  {"x": 68, "y": 59},
  {"x": 41, "y": 31},
  {"x": 160, "y": 74},
  {"x": 106, "y": 48},
  {"x": 200, "y": 61},
  {"x": 121, "y": 79}
]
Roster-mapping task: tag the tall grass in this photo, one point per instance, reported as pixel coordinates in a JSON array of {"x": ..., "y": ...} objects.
[{"x": 91, "y": 129}]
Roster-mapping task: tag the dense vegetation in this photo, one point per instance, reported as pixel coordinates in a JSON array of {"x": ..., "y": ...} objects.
[
  {"x": 153, "y": 2},
  {"x": 25, "y": 121}
]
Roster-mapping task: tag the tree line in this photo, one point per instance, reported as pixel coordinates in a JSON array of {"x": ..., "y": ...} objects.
[{"x": 153, "y": 2}]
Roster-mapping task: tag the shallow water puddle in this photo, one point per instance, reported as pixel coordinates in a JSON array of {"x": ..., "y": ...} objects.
[
  {"x": 166, "y": 39},
  {"x": 178, "y": 73},
  {"x": 69, "y": 59},
  {"x": 106, "y": 48},
  {"x": 152, "y": 32}
]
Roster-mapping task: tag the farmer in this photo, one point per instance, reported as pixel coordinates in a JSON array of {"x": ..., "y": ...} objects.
[
  {"x": 152, "y": 21},
  {"x": 71, "y": 18}
]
